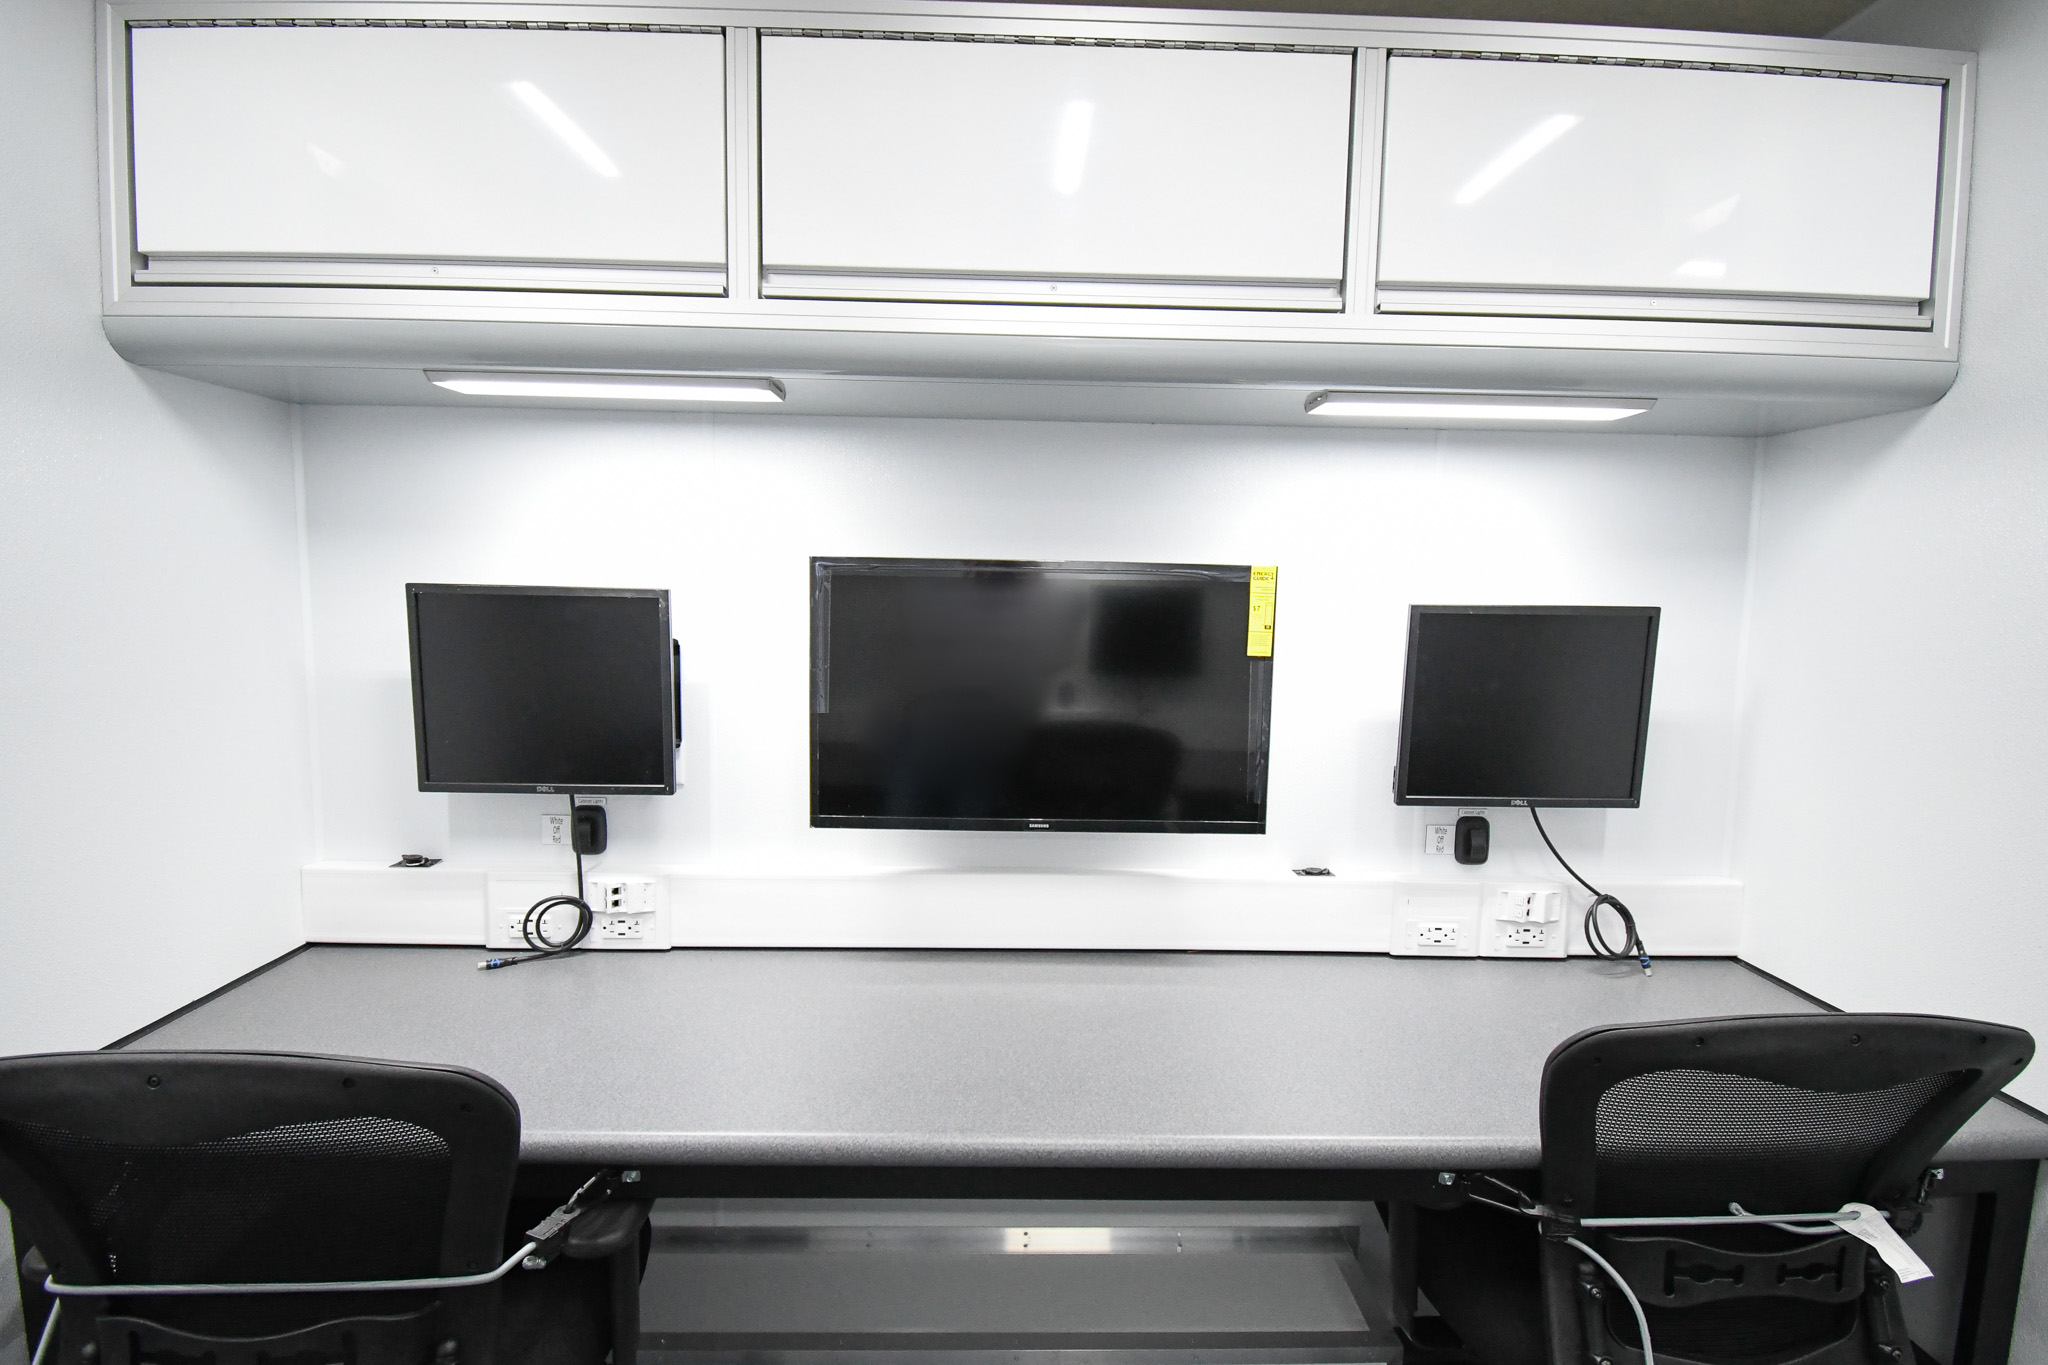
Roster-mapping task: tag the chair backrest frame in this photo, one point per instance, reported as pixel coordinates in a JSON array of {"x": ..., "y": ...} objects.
[
  {"x": 1829, "y": 1054},
  {"x": 1840, "y": 1053},
  {"x": 184, "y": 1101}
]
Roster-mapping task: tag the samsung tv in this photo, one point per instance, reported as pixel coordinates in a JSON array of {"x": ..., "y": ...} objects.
[{"x": 1005, "y": 695}]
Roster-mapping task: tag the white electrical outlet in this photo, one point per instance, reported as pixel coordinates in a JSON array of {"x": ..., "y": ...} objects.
[
  {"x": 1435, "y": 921},
  {"x": 1437, "y": 839},
  {"x": 1526, "y": 920},
  {"x": 629, "y": 909},
  {"x": 556, "y": 924}
]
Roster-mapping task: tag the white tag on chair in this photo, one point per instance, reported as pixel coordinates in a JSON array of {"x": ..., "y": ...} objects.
[{"x": 1874, "y": 1228}]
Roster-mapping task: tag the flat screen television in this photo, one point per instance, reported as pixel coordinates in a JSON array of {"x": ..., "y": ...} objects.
[
  {"x": 543, "y": 689},
  {"x": 1526, "y": 706},
  {"x": 999, "y": 695}
]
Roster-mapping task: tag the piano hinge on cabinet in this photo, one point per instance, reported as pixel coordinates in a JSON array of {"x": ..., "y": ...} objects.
[
  {"x": 549, "y": 24},
  {"x": 1665, "y": 64},
  {"x": 1039, "y": 40}
]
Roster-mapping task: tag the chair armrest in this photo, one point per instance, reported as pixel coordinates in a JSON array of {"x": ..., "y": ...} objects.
[{"x": 606, "y": 1229}]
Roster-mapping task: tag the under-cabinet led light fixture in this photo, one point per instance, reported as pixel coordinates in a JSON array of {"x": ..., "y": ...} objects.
[
  {"x": 638, "y": 388},
  {"x": 1474, "y": 407}
]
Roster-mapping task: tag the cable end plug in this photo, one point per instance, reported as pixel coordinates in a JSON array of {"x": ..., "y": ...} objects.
[
  {"x": 1644, "y": 959},
  {"x": 489, "y": 963}
]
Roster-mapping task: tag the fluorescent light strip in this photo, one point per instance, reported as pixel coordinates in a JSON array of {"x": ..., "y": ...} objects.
[
  {"x": 1475, "y": 407},
  {"x": 638, "y": 388}
]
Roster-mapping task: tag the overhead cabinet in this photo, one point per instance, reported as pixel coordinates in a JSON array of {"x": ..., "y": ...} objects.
[
  {"x": 386, "y": 152},
  {"x": 1570, "y": 187},
  {"x": 1026, "y": 211},
  {"x": 934, "y": 167}
]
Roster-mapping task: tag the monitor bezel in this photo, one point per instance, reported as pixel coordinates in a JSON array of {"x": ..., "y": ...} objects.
[
  {"x": 1416, "y": 614},
  {"x": 671, "y": 718},
  {"x": 1261, "y": 702}
]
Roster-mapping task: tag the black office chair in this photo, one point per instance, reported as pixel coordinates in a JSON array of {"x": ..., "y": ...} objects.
[
  {"x": 152, "y": 1169},
  {"x": 1710, "y": 1118}
]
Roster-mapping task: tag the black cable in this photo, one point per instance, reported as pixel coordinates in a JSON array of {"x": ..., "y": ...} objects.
[
  {"x": 1632, "y": 941},
  {"x": 532, "y": 925}
]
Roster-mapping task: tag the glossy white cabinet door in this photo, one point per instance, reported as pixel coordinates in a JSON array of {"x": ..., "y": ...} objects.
[
  {"x": 966, "y": 170},
  {"x": 1532, "y": 176},
  {"x": 264, "y": 149}
]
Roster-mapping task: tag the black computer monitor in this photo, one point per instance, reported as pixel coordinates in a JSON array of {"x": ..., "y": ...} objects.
[
  {"x": 999, "y": 695},
  {"x": 543, "y": 689},
  {"x": 1526, "y": 706}
]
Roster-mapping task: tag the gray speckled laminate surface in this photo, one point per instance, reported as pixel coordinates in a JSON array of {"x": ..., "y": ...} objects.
[{"x": 966, "y": 1058}]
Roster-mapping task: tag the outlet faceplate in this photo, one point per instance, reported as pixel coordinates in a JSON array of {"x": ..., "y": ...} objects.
[
  {"x": 1523, "y": 920},
  {"x": 1436, "y": 921},
  {"x": 628, "y": 912}
]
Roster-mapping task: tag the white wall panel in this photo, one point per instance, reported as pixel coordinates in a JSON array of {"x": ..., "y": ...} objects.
[
  {"x": 459, "y": 144},
  {"x": 1524, "y": 175},
  {"x": 1895, "y": 738},
  {"x": 1007, "y": 159},
  {"x": 726, "y": 511},
  {"x": 154, "y": 766}
]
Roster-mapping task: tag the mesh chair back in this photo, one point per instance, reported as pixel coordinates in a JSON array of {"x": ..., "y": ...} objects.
[
  {"x": 145, "y": 1168},
  {"x": 1780, "y": 1113}
]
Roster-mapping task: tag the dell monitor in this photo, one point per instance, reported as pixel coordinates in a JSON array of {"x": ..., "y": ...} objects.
[
  {"x": 543, "y": 689},
  {"x": 998, "y": 695},
  {"x": 1526, "y": 706}
]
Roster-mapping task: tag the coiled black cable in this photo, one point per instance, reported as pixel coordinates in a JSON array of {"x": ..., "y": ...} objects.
[
  {"x": 1632, "y": 940},
  {"x": 533, "y": 924}
]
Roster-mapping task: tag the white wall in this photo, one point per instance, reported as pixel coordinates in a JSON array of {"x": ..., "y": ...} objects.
[
  {"x": 725, "y": 511},
  {"x": 1895, "y": 744},
  {"x": 153, "y": 775},
  {"x": 1896, "y": 740}
]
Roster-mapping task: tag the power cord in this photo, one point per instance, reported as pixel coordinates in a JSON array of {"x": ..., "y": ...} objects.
[
  {"x": 1634, "y": 1303},
  {"x": 533, "y": 924},
  {"x": 1632, "y": 941}
]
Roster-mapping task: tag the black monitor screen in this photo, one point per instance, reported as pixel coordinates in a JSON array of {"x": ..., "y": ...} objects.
[
  {"x": 1541, "y": 706},
  {"x": 542, "y": 689},
  {"x": 952, "y": 694}
]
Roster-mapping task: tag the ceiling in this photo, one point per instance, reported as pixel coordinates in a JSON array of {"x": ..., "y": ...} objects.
[{"x": 1783, "y": 18}]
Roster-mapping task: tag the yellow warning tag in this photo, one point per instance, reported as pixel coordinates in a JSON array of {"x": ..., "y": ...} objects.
[{"x": 1258, "y": 640}]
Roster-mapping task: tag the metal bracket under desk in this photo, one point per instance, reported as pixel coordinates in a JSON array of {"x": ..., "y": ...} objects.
[
  {"x": 1164, "y": 1286},
  {"x": 1007, "y": 1182}
]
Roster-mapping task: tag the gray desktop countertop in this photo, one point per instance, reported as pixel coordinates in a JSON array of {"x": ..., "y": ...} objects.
[{"x": 997, "y": 1059}]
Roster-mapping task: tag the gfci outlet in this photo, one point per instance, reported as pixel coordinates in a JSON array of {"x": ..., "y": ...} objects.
[
  {"x": 1525, "y": 920},
  {"x": 628, "y": 911},
  {"x": 1435, "y": 921}
]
